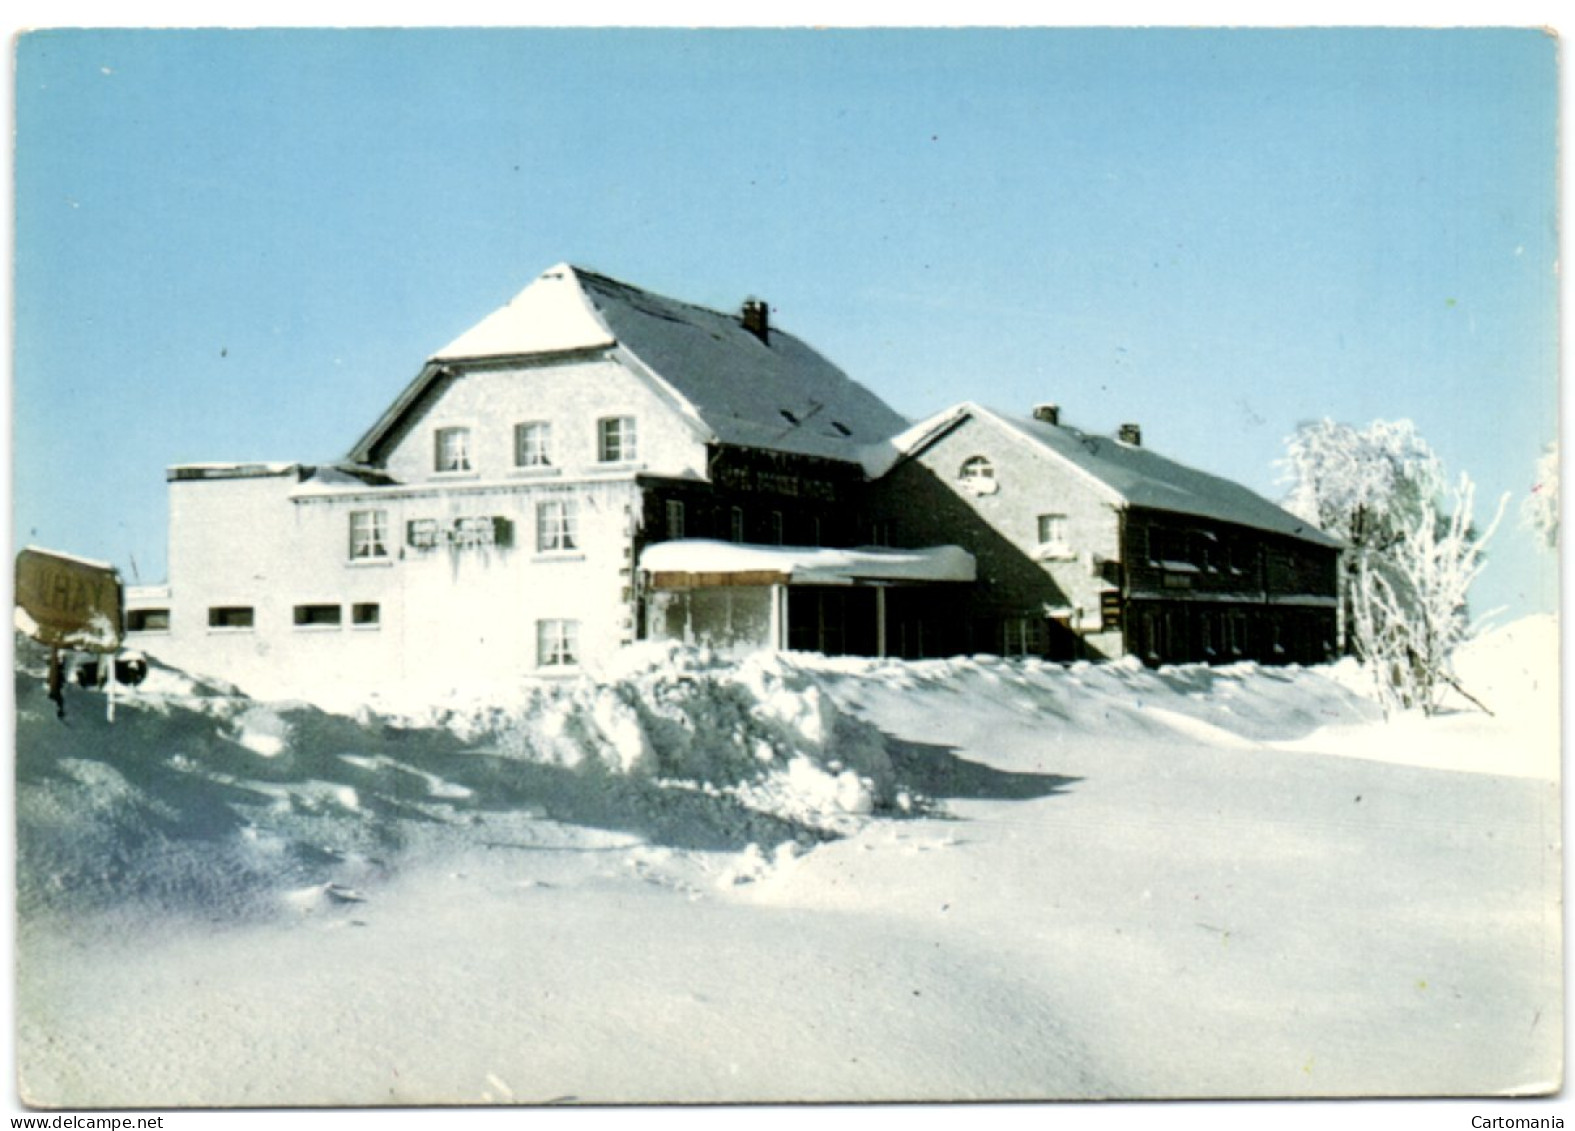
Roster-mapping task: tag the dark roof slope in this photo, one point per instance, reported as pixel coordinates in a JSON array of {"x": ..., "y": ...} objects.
[
  {"x": 782, "y": 395},
  {"x": 777, "y": 394},
  {"x": 1144, "y": 478},
  {"x": 1132, "y": 476}
]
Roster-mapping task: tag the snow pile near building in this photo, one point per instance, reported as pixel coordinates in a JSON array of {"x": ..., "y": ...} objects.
[
  {"x": 758, "y": 730},
  {"x": 634, "y": 889},
  {"x": 1100, "y": 706},
  {"x": 199, "y": 798}
]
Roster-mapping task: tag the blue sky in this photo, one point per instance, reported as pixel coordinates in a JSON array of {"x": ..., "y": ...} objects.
[{"x": 242, "y": 245}]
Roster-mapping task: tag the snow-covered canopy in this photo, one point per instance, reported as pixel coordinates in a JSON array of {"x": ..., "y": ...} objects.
[
  {"x": 231, "y": 470},
  {"x": 1129, "y": 474},
  {"x": 685, "y": 561},
  {"x": 777, "y": 394}
]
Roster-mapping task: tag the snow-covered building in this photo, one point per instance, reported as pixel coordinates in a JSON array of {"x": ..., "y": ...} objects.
[
  {"x": 594, "y": 464},
  {"x": 492, "y": 521},
  {"x": 1096, "y": 546}
]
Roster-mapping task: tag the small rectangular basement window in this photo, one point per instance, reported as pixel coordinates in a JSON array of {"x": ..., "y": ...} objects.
[
  {"x": 148, "y": 620},
  {"x": 230, "y": 616},
  {"x": 366, "y": 615},
  {"x": 307, "y": 616}
]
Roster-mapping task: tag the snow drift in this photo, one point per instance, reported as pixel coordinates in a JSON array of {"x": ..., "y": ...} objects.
[
  {"x": 202, "y": 799},
  {"x": 792, "y": 877}
]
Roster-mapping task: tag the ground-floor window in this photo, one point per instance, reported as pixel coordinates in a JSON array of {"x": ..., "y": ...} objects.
[
  {"x": 557, "y": 643},
  {"x": 1235, "y": 634},
  {"x": 1024, "y": 636},
  {"x": 318, "y": 616},
  {"x": 231, "y": 616},
  {"x": 148, "y": 620},
  {"x": 366, "y": 615}
]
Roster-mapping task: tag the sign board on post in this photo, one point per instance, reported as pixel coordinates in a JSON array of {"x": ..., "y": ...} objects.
[{"x": 67, "y": 602}]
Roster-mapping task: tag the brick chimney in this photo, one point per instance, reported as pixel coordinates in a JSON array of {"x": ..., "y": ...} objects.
[
  {"x": 1131, "y": 434},
  {"x": 757, "y": 319},
  {"x": 1047, "y": 413}
]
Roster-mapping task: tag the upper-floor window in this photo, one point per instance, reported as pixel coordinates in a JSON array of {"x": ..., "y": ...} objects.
[
  {"x": 735, "y": 524},
  {"x": 977, "y": 476},
  {"x": 777, "y": 534},
  {"x": 615, "y": 439},
  {"x": 1170, "y": 548},
  {"x": 533, "y": 444},
  {"x": 556, "y": 525},
  {"x": 368, "y": 535},
  {"x": 675, "y": 518},
  {"x": 452, "y": 450},
  {"x": 557, "y": 643},
  {"x": 1052, "y": 534}
]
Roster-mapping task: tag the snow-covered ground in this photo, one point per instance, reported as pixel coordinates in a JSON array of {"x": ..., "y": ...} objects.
[{"x": 795, "y": 878}]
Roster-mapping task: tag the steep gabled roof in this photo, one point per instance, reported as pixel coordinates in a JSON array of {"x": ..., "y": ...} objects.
[
  {"x": 735, "y": 387},
  {"x": 1133, "y": 476}
]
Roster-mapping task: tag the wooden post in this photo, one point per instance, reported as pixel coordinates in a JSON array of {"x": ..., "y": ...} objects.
[
  {"x": 880, "y": 621},
  {"x": 108, "y": 660},
  {"x": 57, "y": 683},
  {"x": 778, "y": 629}
]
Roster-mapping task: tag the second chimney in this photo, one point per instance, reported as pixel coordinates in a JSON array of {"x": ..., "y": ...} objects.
[
  {"x": 1047, "y": 413},
  {"x": 757, "y": 319},
  {"x": 1131, "y": 434}
]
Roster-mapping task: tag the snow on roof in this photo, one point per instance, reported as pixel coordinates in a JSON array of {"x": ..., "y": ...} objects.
[
  {"x": 229, "y": 470},
  {"x": 1137, "y": 476},
  {"x": 809, "y": 565},
  {"x": 549, "y": 316},
  {"x": 340, "y": 480},
  {"x": 783, "y": 396},
  {"x": 61, "y": 554}
]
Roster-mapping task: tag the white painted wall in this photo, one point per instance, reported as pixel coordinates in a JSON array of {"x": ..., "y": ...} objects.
[
  {"x": 572, "y": 397},
  {"x": 449, "y": 617}
]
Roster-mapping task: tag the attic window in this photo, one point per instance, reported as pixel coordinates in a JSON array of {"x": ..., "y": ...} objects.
[
  {"x": 452, "y": 449},
  {"x": 615, "y": 439},
  {"x": 788, "y": 416},
  {"x": 533, "y": 444},
  {"x": 977, "y": 476},
  {"x": 842, "y": 428}
]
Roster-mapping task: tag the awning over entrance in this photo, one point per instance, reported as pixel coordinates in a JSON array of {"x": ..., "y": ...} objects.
[{"x": 696, "y": 563}]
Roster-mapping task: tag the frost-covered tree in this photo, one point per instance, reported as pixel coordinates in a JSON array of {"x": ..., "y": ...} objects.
[
  {"x": 1424, "y": 610},
  {"x": 1540, "y": 509},
  {"x": 1411, "y": 550}
]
